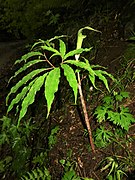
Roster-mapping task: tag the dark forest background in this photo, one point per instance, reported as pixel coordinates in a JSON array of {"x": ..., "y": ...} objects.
[{"x": 21, "y": 19}]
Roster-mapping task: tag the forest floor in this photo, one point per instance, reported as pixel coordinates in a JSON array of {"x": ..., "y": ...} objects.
[{"x": 71, "y": 135}]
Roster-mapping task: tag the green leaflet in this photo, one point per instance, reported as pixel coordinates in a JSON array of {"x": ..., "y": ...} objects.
[
  {"x": 29, "y": 55},
  {"x": 109, "y": 75},
  {"x": 29, "y": 99},
  {"x": 91, "y": 74},
  {"x": 102, "y": 78},
  {"x": 70, "y": 175},
  {"x": 121, "y": 95},
  {"x": 98, "y": 66},
  {"x": 51, "y": 86},
  {"x": 57, "y": 37},
  {"x": 100, "y": 113},
  {"x": 19, "y": 96},
  {"x": 62, "y": 48},
  {"x": 92, "y": 79},
  {"x": 123, "y": 119},
  {"x": 102, "y": 137},
  {"x": 55, "y": 54},
  {"x": 85, "y": 66},
  {"x": 51, "y": 49},
  {"x": 80, "y": 64},
  {"x": 27, "y": 65},
  {"x": 76, "y": 51},
  {"x": 38, "y": 43},
  {"x": 100, "y": 75},
  {"x": 23, "y": 81},
  {"x": 71, "y": 78},
  {"x": 42, "y": 174}
]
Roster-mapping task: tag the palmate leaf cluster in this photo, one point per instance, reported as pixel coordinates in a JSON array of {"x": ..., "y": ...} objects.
[
  {"x": 48, "y": 75},
  {"x": 112, "y": 111},
  {"x": 102, "y": 137}
]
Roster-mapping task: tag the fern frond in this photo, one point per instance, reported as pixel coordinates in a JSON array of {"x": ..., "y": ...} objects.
[{"x": 37, "y": 174}]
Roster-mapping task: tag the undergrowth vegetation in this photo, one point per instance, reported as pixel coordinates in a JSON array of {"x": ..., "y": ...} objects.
[
  {"x": 59, "y": 71},
  {"x": 113, "y": 118}
]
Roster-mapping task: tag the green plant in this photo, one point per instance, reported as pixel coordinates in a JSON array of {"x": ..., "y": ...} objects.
[
  {"x": 69, "y": 172},
  {"x": 37, "y": 174},
  {"x": 102, "y": 137},
  {"x": 125, "y": 75},
  {"x": 15, "y": 141},
  {"x": 40, "y": 159},
  {"x": 52, "y": 139},
  {"x": 70, "y": 167},
  {"x": 53, "y": 19},
  {"x": 111, "y": 110},
  {"x": 115, "y": 168},
  {"x": 48, "y": 75},
  {"x": 127, "y": 65}
]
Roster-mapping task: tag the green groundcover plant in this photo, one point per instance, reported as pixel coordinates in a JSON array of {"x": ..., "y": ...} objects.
[
  {"x": 111, "y": 110},
  {"x": 44, "y": 65}
]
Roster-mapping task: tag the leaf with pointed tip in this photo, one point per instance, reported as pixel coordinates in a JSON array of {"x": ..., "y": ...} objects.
[
  {"x": 109, "y": 75},
  {"x": 92, "y": 79},
  {"x": 51, "y": 49},
  {"x": 28, "y": 55},
  {"x": 51, "y": 87},
  {"x": 27, "y": 65},
  {"x": 38, "y": 43},
  {"x": 80, "y": 64},
  {"x": 23, "y": 81},
  {"x": 91, "y": 73},
  {"x": 76, "y": 51},
  {"x": 102, "y": 78},
  {"x": 57, "y": 37},
  {"x": 98, "y": 66},
  {"x": 20, "y": 96},
  {"x": 55, "y": 54},
  {"x": 71, "y": 78},
  {"x": 124, "y": 94},
  {"x": 62, "y": 48},
  {"x": 30, "y": 97},
  {"x": 89, "y": 68}
]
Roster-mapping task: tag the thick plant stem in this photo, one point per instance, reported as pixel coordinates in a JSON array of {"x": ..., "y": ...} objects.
[{"x": 85, "y": 114}]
